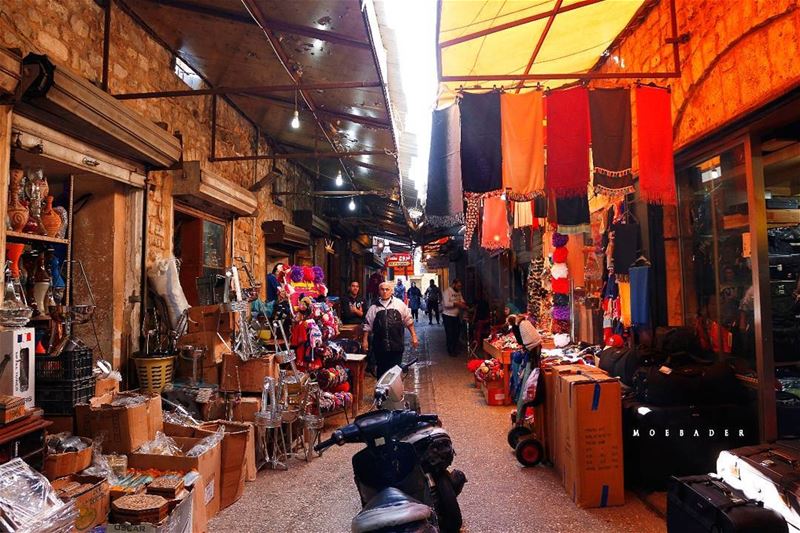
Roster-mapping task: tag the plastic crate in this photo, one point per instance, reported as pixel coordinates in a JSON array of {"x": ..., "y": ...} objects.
[
  {"x": 76, "y": 364},
  {"x": 60, "y": 397}
]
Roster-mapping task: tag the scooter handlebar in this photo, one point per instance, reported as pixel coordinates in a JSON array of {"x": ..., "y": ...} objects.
[{"x": 336, "y": 438}]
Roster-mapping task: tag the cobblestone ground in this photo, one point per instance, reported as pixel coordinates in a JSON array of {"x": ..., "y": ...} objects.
[{"x": 500, "y": 496}]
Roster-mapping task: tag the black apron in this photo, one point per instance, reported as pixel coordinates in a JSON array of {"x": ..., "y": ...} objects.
[{"x": 387, "y": 329}]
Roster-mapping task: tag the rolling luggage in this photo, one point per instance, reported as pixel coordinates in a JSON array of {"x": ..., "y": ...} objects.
[
  {"x": 687, "y": 384},
  {"x": 654, "y": 448},
  {"x": 702, "y": 504},
  {"x": 769, "y": 473}
]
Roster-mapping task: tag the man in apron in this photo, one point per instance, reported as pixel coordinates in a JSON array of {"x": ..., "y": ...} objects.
[{"x": 386, "y": 319}]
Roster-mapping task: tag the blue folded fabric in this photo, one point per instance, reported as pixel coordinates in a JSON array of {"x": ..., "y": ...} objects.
[{"x": 640, "y": 295}]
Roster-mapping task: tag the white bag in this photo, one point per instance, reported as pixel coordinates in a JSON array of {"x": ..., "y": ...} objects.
[{"x": 163, "y": 278}]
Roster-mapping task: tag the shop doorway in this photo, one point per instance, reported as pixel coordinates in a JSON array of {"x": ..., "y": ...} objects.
[{"x": 200, "y": 245}]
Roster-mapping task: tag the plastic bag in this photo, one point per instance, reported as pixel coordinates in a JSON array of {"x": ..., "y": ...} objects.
[
  {"x": 65, "y": 442},
  {"x": 29, "y": 504},
  {"x": 100, "y": 465},
  {"x": 207, "y": 443},
  {"x": 161, "y": 445},
  {"x": 180, "y": 418}
]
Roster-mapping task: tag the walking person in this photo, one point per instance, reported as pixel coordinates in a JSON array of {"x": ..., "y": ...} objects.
[
  {"x": 452, "y": 306},
  {"x": 433, "y": 295},
  {"x": 386, "y": 319},
  {"x": 414, "y": 300},
  {"x": 400, "y": 291}
]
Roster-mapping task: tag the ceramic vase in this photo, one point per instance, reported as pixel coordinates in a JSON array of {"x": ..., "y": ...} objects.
[
  {"x": 13, "y": 253},
  {"x": 17, "y": 211},
  {"x": 51, "y": 220}
]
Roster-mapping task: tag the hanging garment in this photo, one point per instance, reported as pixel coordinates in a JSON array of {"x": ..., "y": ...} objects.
[
  {"x": 568, "y": 144},
  {"x": 576, "y": 259},
  {"x": 626, "y": 246},
  {"x": 610, "y": 111},
  {"x": 523, "y": 214},
  {"x": 572, "y": 214},
  {"x": 481, "y": 157},
  {"x": 522, "y": 122},
  {"x": 521, "y": 244},
  {"x": 494, "y": 227},
  {"x": 625, "y": 302},
  {"x": 472, "y": 216},
  {"x": 445, "y": 201},
  {"x": 640, "y": 295},
  {"x": 654, "y": 137}
]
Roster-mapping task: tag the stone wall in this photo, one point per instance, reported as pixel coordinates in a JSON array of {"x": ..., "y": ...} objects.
[{"x": 739, "y": 56}]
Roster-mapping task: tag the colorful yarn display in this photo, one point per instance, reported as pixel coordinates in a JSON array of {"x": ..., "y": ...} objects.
[{"x": 560, "y": 286}]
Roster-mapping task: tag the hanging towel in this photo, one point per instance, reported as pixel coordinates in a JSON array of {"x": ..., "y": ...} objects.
[
  {"x": 494, "y": 227},
  {"x": 481, "y": 158},
  {"x": 444, "y": 206},
  {"x": 568, "y": 143},
  {"x": 625, "y": 303},
  {"x": 522, "y": 120},
  {"x": 472, "y": 216},
  {"x": 610, "y": 110},
  {"x": 572, "y": 214},
  {"x": 640, "y": 295},
  {"x": 654, "y": 136},
  {"x": 576, "y": 259},
  {"x": 523, "y": 214},
  {"x": 626, "y": 245}
]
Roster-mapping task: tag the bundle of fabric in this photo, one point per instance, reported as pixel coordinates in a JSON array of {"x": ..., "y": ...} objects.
[
  {"x": 523, "y": 144},
  {"x": 331, "y": 379},
  {"x": 654, "y": 136},
  {"x": 490, "y": 370},
  {"x": 610, "y": 111},
  {"x": 334, "y": 401},
  {"x": 560, "y": 284},
  {"x": 495, "y": 230},
  {"x": 330, "y": 353},
  {"x": 445, "y": 205}
]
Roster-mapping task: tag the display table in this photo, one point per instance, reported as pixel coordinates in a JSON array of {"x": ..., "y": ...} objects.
[
  {"x": 504, "y": 356},
  {"x": 350, "y": 331},
  {"x": 25, "y": 438},
  {"x": 357, "y": 364}
]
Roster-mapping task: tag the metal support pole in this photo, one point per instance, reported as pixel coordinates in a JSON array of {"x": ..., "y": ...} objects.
[{"x": 213, "y": 128}]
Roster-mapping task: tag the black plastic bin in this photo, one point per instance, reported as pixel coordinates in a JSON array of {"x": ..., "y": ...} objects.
[
  {"x": 60, "y": 397},
  {"x": 75, "y": 364}
]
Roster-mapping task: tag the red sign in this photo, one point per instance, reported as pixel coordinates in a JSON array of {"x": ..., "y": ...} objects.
[{"x": 400, "y": 260}]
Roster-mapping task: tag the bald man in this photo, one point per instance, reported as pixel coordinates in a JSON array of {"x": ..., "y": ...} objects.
[{"x": 386, "y": 319}]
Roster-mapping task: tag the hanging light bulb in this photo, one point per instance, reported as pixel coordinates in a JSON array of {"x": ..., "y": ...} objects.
[
  {"x": 339, "y": 180},
  {"x": 352, "y": 205},
  {"x": 296, "y": 119}
]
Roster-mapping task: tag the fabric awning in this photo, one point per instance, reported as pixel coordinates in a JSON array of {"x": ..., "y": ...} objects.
[{"x": 480, "y": 42}]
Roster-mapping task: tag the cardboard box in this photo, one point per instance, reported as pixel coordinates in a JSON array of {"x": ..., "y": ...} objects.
[
  {"x": 208, "y": 464},
  {"x": 105, "y": 386},
  {"x": 245, "y": 409},
  {"x": 216, "y": 344},
  {"x": 208, "y": 369},
  {"x": 123, "y": 428},
  {"x": 246, "y": 376},
  {"x": 592, "y": 462},
  {"x": 233, "y": 468},
  {"x": 210, "y": 318},
  {"x": 494, "y": 393},
  {"x": 58, "y": 465},
  {"x": 180, "y": 520},
  {"x": 177, "y": 430},
  {"x": 93, "y": 505}
]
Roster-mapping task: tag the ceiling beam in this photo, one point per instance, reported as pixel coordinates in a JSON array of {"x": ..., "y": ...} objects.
[
  {"x": 515, "y": 23},
  {"x": 563, "y": 76},
  {"x": 286, "y": 27},
  {"x": 252, "y": 91},
  {"x": 298, "y": 155},
  {"x": 540, "y": 42}
]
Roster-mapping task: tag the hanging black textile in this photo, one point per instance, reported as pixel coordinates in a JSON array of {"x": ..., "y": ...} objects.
[
  {"x": 572, "y": 214},
  {"x": 626, "y": 247},
  {"x": 481, "y": 156},
  {"x": 658, "y": 260},
  {"x": 445, "y": 204},
  {"x": 610, "y": 111}
]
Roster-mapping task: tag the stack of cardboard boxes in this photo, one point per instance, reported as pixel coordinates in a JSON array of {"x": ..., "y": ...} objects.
[{"x": 581, "y": 429}]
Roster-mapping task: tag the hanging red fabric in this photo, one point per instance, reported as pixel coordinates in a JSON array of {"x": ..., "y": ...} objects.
[
  {"x": 568, "y": 138},
  {"x": 494, "y": 230},
  {"x": 654, "y": 136}
]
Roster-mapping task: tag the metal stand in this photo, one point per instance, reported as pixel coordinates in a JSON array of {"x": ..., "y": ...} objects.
[{"x": 270, "y": 431}]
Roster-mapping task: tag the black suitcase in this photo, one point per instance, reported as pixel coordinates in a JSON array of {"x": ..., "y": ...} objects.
[
  {"x": 702, "y": 504},
  {"x": 687, "y": 384},
  {"x": 654, "y": 448}
]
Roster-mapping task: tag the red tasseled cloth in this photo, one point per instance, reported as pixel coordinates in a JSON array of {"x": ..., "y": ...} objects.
[
  {"x": 654, "y": 134},
  {"x": 494, "y": 231},
  {"x": 568, "y": 136}
]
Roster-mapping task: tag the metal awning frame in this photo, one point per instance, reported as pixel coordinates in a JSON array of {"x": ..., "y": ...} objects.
[{"x": 674, "y": 40}]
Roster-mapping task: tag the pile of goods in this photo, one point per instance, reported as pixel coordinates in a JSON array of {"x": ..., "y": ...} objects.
[
  {"x": 139, "y": 508},
  {"x": 489, "y": 370}
]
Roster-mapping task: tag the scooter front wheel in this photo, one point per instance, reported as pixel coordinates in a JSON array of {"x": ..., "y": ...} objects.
[{"x": 447, "y": 509}]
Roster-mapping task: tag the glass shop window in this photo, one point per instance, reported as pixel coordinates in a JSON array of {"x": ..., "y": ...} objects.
[
  {"x": 715, "y": 247},
  {"x": 200, "y": 245}
]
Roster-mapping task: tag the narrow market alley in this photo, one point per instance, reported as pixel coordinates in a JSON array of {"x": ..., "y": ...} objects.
[{"x": 500, "y": 496}]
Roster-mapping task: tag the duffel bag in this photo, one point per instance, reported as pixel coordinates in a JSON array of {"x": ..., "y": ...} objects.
[
  {"x": 623, "y": 362},
  {"x": 687, "y": 384}
]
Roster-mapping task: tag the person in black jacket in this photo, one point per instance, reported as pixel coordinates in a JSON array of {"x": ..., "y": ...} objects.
[{"x": 386, "y": 319}]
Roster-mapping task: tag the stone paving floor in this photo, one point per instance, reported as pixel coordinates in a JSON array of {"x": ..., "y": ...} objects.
[{"x": 501, "y": 495}]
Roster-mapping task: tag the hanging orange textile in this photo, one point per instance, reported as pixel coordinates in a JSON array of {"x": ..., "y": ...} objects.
[
  {"x": 494, "y": 230},
  {"x": 522, "y": 126}
]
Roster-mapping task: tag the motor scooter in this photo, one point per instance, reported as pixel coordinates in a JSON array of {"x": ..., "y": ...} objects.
[{"x": 402, "y": 474}]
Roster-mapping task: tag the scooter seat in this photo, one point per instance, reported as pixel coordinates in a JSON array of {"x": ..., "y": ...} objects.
[{"x": 389, "y": 509}]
